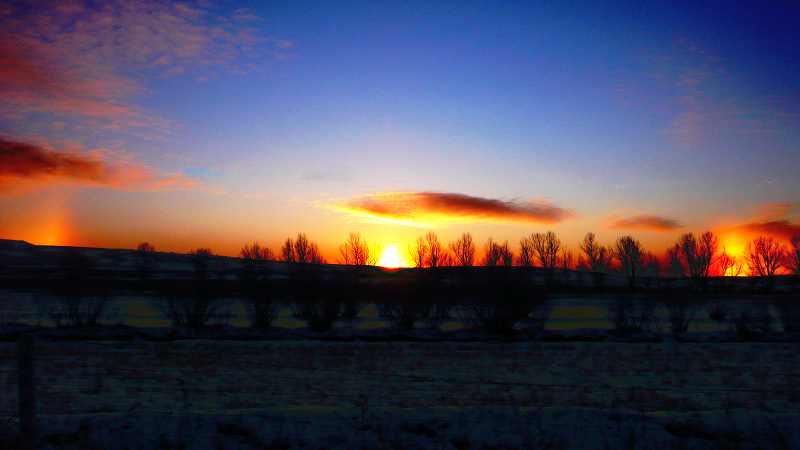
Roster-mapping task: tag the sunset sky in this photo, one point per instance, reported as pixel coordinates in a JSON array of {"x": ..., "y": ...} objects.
[{"x": 193, "y": 124}]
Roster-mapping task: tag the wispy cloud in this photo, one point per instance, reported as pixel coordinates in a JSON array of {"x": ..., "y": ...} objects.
[
  {"x": 87, "y": 59},
  {"x": 644, "y": 222},
  {"x": 24, "y": 166},
  {"x": 436, "y": 207}
]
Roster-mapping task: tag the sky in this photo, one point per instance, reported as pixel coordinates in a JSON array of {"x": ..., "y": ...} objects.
[{"x": 218, "y": 124}]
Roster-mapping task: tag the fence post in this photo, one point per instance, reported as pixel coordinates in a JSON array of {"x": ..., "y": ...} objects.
[{"x": 27, "y": 393}]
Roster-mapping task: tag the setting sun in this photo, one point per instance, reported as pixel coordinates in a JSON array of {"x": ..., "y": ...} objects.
[{"x": 392, "y": 257}]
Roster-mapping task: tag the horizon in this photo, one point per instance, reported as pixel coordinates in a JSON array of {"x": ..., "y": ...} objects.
[{"x": 194, "y": 124}]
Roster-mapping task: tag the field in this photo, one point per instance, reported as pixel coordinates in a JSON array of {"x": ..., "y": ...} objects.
[
  {"x": 315, "y": 394},
  {"x": 135, "y": 381}
]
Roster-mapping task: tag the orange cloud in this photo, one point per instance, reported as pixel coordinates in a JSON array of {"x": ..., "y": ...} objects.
[
  {"x": 22, "y": 162},
  {"x": 433, "y": 207},
  {"x": 645, "y": 222}
]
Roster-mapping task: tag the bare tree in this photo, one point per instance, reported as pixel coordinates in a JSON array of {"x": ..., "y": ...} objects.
[
  {"x": 697, "y": 254},
  {"x": 145, "y": 264},
  {"x": 356, "y": 252},
  {"x": 506, "y": 255},
  {"x": 419, "y": 252},
  {"x": 598, "y": 257},
  {"x": 567, "y": 260},
  {"x": 764, "y": 256},
  {"x": 261, "y": 303},
  {"x": 546, "y": 247},
  {"x": 725, "y": 263},
  {"x": 675, "y": 268},
  {"x": 526, "y": 254},
  {"x": 630, "y": 254},
  {"x": 145, "y": 247},
  {"x": 301, "y": 251},
  {"x": 447, "y": 260},
  {"x": 793, "y": 255},
  {"x": 256, "y": 252},
  {"x": 434, "y": 256},
  {"x": 464, "y": 250},
  {"x": 491, "y": 253}
]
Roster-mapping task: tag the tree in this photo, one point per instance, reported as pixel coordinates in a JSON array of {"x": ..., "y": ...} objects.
[
  {"x": 793, "y": 255},
  {"x": 256, "y": 252},
  {"x": 434, "y": 247},
  {"x": 301, "y": 251},
  {"x": 356, "y": 252},
  {"x": 418, "y": 252},
  {"x": 545, "y": 247},
  {"x": 145, "y": 247},
  {"x": 675, "y": 268},
  {"x": 598, "y": 257},
  {"x": 630, "y": 254},
  {"x": 526, "y": 255},
  {"x": 491, "y": 253},
  {"x": 697, "y": 254},
  {"x": 464, "y": 250},
  {"x": 726, "y": 262},
  {"x": 145, "y": 264},
  {"x": 764, "y": 256}
]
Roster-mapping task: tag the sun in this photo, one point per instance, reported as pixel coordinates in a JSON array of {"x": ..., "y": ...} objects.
[{"x": 391, "y": 257}]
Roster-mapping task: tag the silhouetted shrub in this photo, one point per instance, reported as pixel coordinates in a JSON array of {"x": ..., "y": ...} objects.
[
  {"x": 754, "y": 321},
  {"x": 195, "y": 303},
  {"x": 628, "y": 315},
  {"x": 789, "y": 313},
  {"x": 318, "y": 303},
  {"x": 503, "y": 301},
  {"x": 681, "y": 308},
  {"x": 717, "y": 312},
  {"x": 80, "y": 298}
]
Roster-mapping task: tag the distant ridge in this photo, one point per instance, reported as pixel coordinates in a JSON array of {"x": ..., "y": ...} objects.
[{"x": 8, "y": 244}]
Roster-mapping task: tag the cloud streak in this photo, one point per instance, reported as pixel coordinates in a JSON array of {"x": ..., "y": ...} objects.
[
  {"x": 644, "y": 222},
  {"x": 87, "y": 59},
  {"x": 414, "y": 207},
  {"x": 24, "y": 165}
]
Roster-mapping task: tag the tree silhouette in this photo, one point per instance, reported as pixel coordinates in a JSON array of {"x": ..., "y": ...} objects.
[
  {"x": 697, "y": 255},
  {"x": 256, "y": 252},
  {"x": 793, "y": 255},
  {"x": 506, "y": 255},
  {"x": 464, "y": 250},
  {"x": 259, "y": 292},
  {"x": 727, "y": 262},
  {"x": 301, "y": 251},
  {"x": 764, "y": 256},
  {"x": 419, "y": 252},
  {"x": 675, "y": 267},
  {"x": 545, "y": 247},
  {"x": 598, "y": 257},
  {"x": 356, "y": 252},
  {"x": 491, "y": 253},
  {"x": 144, "y": 266},
  {"x": 434, "y": 247},
  {"x": 526, "y": 254},
  {"x": 630, "y": 254}
]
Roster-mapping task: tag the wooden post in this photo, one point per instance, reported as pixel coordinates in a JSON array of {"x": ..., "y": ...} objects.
[{"x": 27, "y": 393}]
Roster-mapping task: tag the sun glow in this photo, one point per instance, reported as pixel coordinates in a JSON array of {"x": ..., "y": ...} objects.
[{"x": 392, "y": 257}]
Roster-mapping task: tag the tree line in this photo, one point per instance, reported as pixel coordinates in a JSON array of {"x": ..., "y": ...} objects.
[{"x": 692, "y": 256}]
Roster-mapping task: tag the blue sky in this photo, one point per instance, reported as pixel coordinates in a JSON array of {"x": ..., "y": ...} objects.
[{"x": 217, "y": 125}]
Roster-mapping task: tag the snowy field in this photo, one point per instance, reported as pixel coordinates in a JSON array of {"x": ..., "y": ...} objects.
[{"x": 314, "y": 394}]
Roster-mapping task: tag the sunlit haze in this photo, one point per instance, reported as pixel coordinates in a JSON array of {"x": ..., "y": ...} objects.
[{"x": 218, "y": 124}]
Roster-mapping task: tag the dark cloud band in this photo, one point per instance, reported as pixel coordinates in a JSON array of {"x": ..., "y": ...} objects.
[
  {"x": 646, "y": 222},
  {"x": 422, "y": 206}
]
